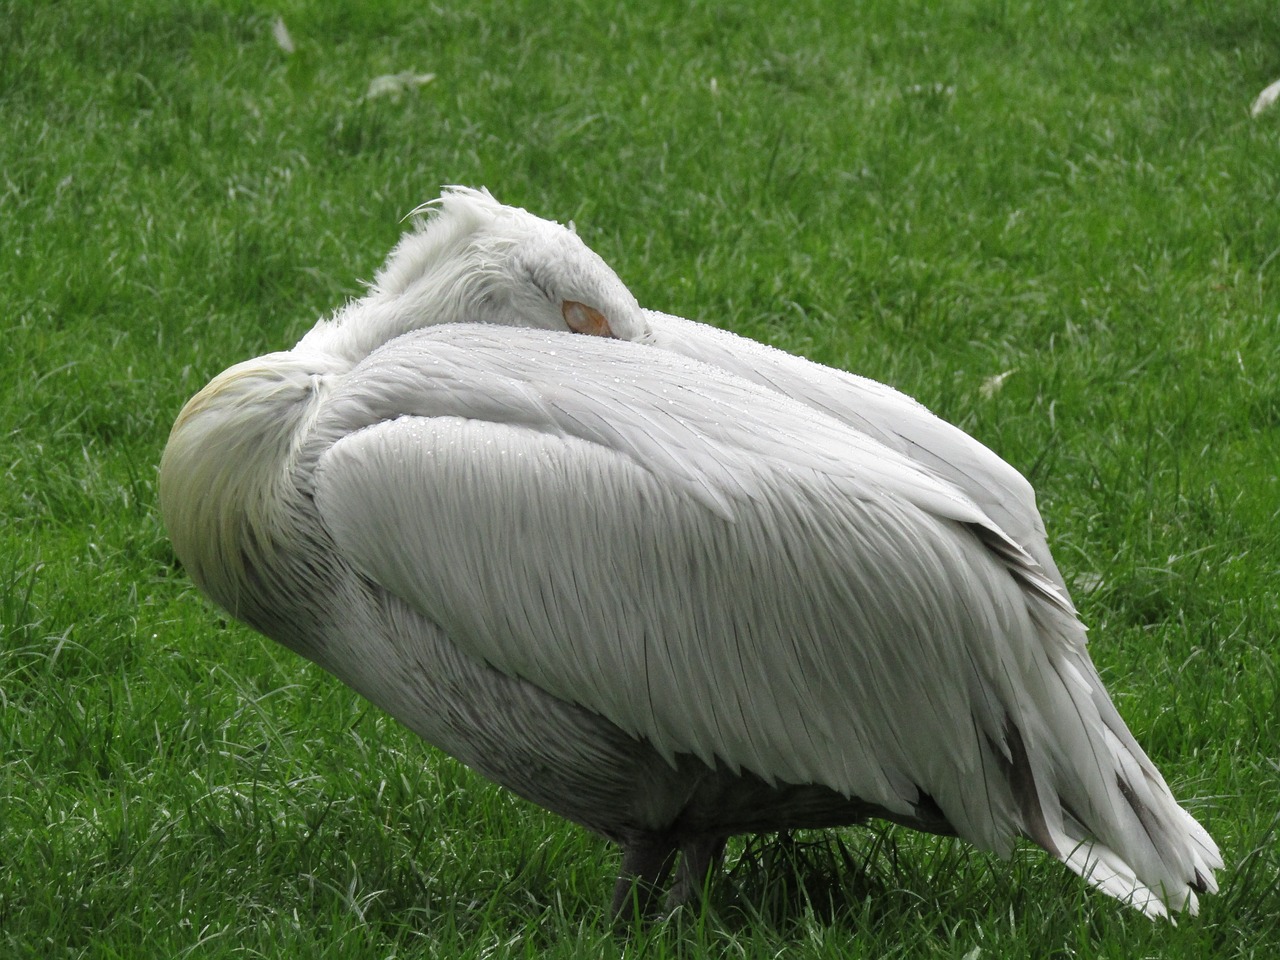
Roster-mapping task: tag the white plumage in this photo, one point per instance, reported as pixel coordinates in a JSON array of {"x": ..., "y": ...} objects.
[
  {"x": 665, "y": 581},
  {"x": 1265, "y": 99}
]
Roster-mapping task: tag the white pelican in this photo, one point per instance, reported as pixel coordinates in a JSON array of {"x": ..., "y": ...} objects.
[{"x": 664, "y": 581}]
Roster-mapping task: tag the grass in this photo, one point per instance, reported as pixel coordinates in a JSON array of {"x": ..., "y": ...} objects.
[{"x": 1071, "y": 196}]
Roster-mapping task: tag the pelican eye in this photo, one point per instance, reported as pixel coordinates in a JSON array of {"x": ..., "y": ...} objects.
[{"x": 584, "y": 319}]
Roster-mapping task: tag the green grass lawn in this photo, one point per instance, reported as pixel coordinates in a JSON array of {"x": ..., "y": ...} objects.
[{"x": 1070, "y": 197}]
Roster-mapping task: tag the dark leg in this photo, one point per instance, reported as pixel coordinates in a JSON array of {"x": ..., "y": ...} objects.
[
  {"x": 646, "y": 862},
  {"x": 699, "y": 860}
]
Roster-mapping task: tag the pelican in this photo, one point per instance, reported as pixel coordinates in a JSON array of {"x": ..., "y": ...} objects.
[{"x": 667, "y": 582}]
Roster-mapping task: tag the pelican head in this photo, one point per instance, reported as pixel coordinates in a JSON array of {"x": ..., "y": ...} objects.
[{"x": 471, "y": 259}]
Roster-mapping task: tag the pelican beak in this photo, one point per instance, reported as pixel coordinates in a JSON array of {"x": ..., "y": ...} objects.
[{"x": 584, "y": 319}]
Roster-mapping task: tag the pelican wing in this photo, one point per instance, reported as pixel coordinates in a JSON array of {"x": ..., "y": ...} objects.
[
  {"x": 880, "y": 412},
  {"x": 706, "y": 564},
  {"x": 726, "y": 573}
]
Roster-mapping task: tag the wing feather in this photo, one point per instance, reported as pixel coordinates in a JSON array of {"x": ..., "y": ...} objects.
[
  {"x": 880, "y": 412},
  {"x": 730, "y": 574},
  {"x": 709, "y": 566}
]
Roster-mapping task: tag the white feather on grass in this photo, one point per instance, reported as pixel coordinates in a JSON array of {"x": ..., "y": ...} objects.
[{"x": 1265, "y": 99}]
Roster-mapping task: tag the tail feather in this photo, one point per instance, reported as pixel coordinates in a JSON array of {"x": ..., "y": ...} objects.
[
  {"x": 1107, "y": 871},
  {"x": 1111, "y": 872},
  {"x": 1111, "y": 817},
  {"x": 1165, "y": 857}
]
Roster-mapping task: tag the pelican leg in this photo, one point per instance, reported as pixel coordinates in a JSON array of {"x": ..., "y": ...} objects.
[
  {"x": 646, "y": 863},
  {"x": 699, "y": 861}
]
